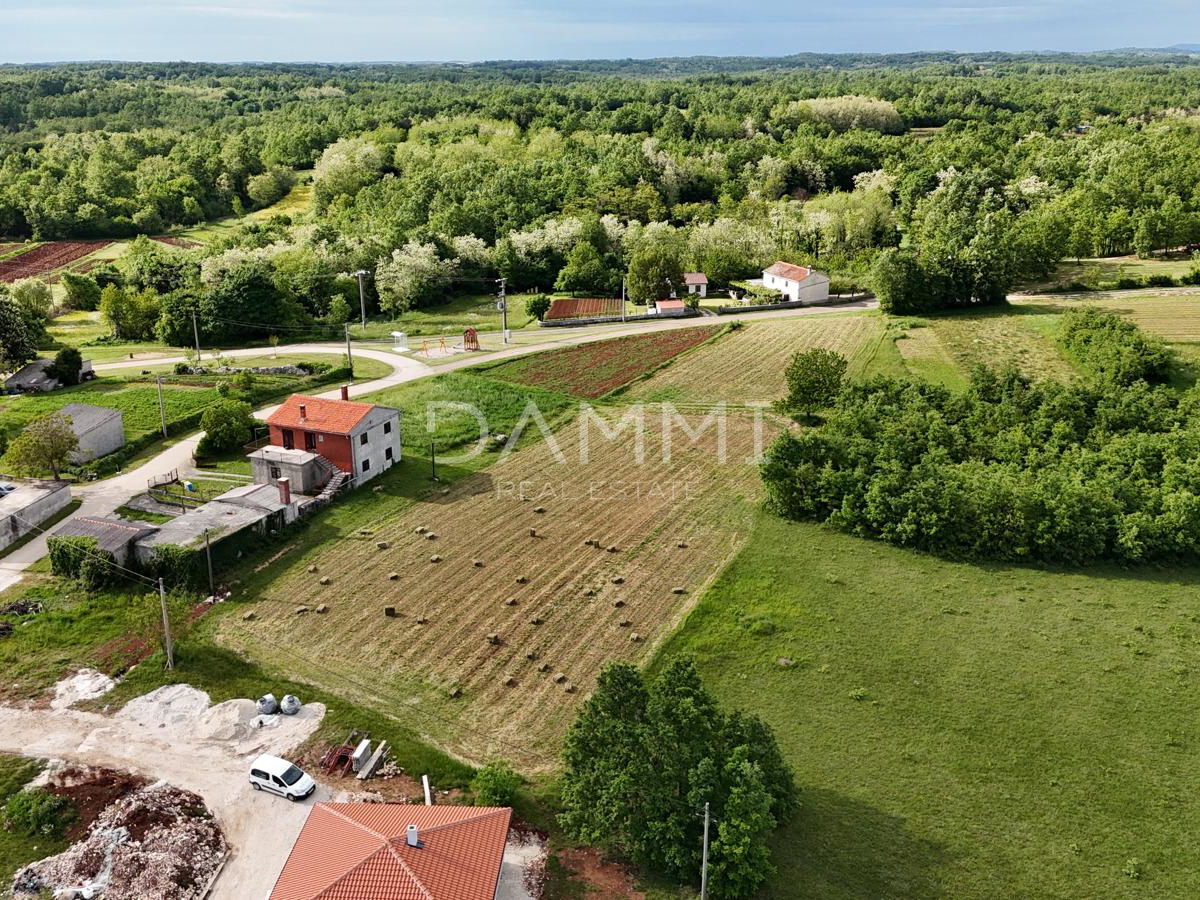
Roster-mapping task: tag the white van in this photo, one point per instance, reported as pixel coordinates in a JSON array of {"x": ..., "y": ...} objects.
[{"x": 270, "y": 773}]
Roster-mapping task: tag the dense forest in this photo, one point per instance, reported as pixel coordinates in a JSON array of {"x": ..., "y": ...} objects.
[{"x": 933, "y": 179}]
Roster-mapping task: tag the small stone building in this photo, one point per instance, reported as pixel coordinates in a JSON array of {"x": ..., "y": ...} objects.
[
  {"x": 303, "y": 469},
  {"x": 100, "y": 430}
]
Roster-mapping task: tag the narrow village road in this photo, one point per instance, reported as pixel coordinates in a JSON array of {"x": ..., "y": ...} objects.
[{"x": 103, "y": 497}]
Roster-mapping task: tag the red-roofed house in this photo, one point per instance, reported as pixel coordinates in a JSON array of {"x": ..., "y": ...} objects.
[
  {"x": 797, "y": 283},
  {"x": 696, "y": 283},
  {"x": 670, "y": 307},
  {"x": 360, "y": 439},
  {"x": 396, "y": 851}
]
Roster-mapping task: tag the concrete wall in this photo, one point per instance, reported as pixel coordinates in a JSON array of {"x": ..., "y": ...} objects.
[
  {"x": 31, "y": 504},
  {"x": 100, "y": 440},
  {"x": 304, "y": 478},
  {"x": 381, "y": 427}
]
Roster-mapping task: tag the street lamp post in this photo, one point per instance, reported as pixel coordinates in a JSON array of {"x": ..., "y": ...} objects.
[{"x": 362, "y": 294}]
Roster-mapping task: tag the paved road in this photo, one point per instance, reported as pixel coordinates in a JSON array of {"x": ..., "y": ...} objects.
[{"x": 103, "y": 497}]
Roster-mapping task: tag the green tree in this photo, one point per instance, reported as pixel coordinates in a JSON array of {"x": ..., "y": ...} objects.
[
  {"x": 655, "y": 269},
  {"x": 496, "y": 784},
  {"x": 227, "y": 425},
  {"x": 66, "y": 366},
  {"x": 82, "y": 291},
  {"x": 16, "y": 345},
  {"x": 537, "y": 306},
  {"x": 245, "y": 302},
  {"x": 44, "y": 445},
  {"x": 814, "y": 378},
  {"x": 586, "y": 272},
  {"x": 739, "y": 857}
]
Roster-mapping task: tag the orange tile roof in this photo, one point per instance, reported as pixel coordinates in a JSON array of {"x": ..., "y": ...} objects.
[
  {"x": 695, "y": 278},
  {"x": 787, "y": 270},
  {"x": 359, "y": 851},
  {"x": 669, "y": 304},
  {"x": 329, "y": 416}
]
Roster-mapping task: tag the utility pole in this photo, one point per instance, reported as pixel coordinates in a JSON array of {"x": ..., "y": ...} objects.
[
  {"x": 196, "y": 335},
  {"x": 349, "y": 358},
  {"x": 162, "y": 599},
  {"x": 212, "y": 587},
  {"x": 433, "y": 461},
  {"x": 704, "y": 859},
  {"x": 362, "y": 296},
  {"x": 162, "y": 413},
  {"x": 622, "y": 298},
  {"x": 503, "y": 304}
]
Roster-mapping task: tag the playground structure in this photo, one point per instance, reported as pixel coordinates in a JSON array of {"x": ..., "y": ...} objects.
[{"x": 431, "y": 347}]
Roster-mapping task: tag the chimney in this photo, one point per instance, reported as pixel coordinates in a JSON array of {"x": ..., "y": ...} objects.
[
  {"x": 303, "y": 412},
  {"x": 285, "y": 491},
  {"x": 413, "y": 839},
  {"x": 345, "y": 392}
]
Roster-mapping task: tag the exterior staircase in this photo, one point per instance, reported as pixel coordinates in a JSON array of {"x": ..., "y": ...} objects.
[{"x": 337, "y": 479}]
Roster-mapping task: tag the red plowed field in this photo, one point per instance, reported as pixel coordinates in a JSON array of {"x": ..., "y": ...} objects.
[
  {"x": 46, "y": 258},
  {"x": 583, "y": 307}
]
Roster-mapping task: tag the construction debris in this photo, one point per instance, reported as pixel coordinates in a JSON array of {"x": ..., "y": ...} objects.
[
  {"x": 368, "y": 768},
  {"x": 86, "y": 684},
  {"x": 157, "y": 843}
]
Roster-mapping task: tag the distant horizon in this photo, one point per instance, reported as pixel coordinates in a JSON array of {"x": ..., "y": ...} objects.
[{"x": 477, "y": 31}]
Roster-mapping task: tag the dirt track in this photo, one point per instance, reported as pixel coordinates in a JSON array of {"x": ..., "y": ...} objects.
[{"x": 261, "y": 828}]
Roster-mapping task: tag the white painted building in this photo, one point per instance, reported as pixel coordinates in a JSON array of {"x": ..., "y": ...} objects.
[
  {"x": 797, "y": 283},
  {"x": 100, "y": 430},
  {"x": 696, "y": 282}
]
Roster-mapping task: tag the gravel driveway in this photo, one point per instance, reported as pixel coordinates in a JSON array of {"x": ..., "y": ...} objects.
[{"x": 175, "y": 746}]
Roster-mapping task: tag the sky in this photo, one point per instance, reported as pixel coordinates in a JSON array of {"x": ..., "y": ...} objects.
[{"x": 471, "y": 30}]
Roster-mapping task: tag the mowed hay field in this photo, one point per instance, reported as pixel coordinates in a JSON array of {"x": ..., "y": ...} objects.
[
  {"x": 1018, "y": 334},
  {"x": 748, "y": 365},
  {"x": 567, "y": 614},
  {"x": 1173, "y": 317}
]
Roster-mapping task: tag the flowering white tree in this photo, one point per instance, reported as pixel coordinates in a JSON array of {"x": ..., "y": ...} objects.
[{"x": 413, "y": 276}]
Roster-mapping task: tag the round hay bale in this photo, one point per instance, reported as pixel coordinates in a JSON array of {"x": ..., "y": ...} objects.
[
  {"x": 323, "y": 608},
  {"x": 569, "y": 688},
  {"x": 635, "y": 638},
  {"x": 493, "y": 638},
  {"x": 477, "y": 563},
  {"x": 324, "y": 579},
  {"x": 444, "y": 491},
  {"x": 618, "y": 603},
  {"x": 430, "y": 536},
  {"x": 509, "y": 681},
  {"x": 435, "y": 558},
  {"x": 682, "y": 545},
  {"x": 300, "y": 609},
  {"x": 544, "y": 667},
  {"x": 455, "y": 692},
  {"x": 536, "y": 620},
  {"x": 617, "y": 579},
  {"x": 590, "y": 592},
  {"x": 539, "y": 509},
  {"x": 420, "y": 529},
  {"x": 678, "y": 590},
  {"x": 250, "y": 616},
  {"x": 421, "y": 620},
  {"x": 533, "y": 532},
  {"x": 393, "y": 576},
  {"x": 381, "y": 545},
  {"x": 624, "y": 623},
  {"x": 531, "y": 655},
  {"x": 312, "y": 570},
  {"x": 511, "y": 601},
  {"x": 785, "y": 662},
  {"x": 613, "y": 549},
  {"x": 559, "y": 677}
]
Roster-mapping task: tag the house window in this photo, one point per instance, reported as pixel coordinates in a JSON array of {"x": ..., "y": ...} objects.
[
  {"x": 362, "y": 439},
  {"x": 274, "y": 473},
  {"x": 366, "y": 465},
  {"x": 289, "y": 439},
  {"x": 387, "y": 453},
  {"x": 387, "y": 427},
  {"x": 310, "y": 441}
]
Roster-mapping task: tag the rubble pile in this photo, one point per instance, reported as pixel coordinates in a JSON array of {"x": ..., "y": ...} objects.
[{"x": 158, "y": 842}]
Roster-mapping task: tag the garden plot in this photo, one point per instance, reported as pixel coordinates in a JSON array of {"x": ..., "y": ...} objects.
[
  {"x": 502, "y": 619},
  {"x": 748, "y": 365}
]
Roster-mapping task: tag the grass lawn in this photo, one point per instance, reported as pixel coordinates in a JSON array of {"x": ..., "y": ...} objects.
[
  {"x": 476, "y": 311},
  {"x": 365, "y": 368},
  {"x": 1105, "y": 270},
  {"x": 296, "y": 203},
  {"x": 17, "y": 850},
  {"x": 961, "y": 730}
]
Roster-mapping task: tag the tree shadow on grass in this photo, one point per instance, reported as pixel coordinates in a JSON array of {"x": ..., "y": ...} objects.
[{"x": 837, "y": 847}]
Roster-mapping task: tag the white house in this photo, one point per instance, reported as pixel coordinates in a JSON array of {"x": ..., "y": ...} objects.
[
  {"x": 696, "y": 282},
  {"x": 797, "y": 283}
]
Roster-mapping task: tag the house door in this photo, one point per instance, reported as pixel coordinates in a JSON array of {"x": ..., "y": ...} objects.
[
  {"x": 310, "y": 441},
  {"x": 289, "y": 440}
]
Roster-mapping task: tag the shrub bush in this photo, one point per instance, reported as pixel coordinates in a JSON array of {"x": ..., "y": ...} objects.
[
  {"x": 1112, "y": 347},
  {"x": 496, "y": 784},
  {"x": 37, "y": 812}
]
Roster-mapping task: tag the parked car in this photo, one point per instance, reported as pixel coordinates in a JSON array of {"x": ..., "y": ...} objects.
[
  {"x": 6, "y": 489},
  {"x": 270, "y": 773}
]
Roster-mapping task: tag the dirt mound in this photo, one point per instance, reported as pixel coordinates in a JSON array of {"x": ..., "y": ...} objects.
[
  {"x": 158, "y": 843},
  {"x": 228, "y": 721},
  {"x": 86, "y": 684},
  {"x": 91, "y": 790},
  {"x": 170, "y": 706}
]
